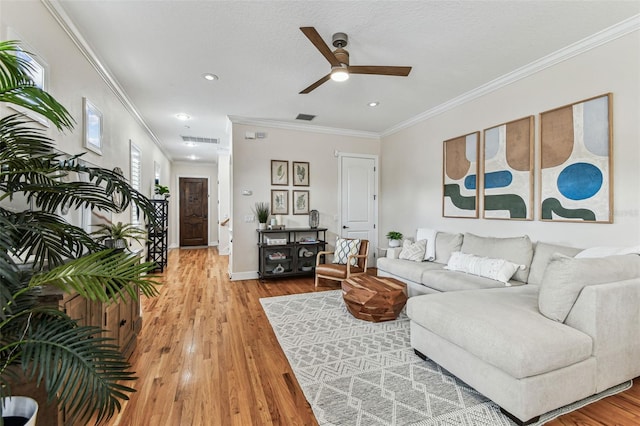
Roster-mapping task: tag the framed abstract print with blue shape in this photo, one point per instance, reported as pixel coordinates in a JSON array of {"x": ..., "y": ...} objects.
[
  {"x": 508, "y": 170},
  {"x": 460, "y": 176},
  {"x": 576, "y": 151}
]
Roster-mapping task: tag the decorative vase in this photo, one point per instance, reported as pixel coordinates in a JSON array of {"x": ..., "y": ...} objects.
[
  {"x": 19, "y": 411},
  {"x": 262, "y": 226},
  {"x": 314, "y": 219},
  {"x": 394, "y": 243}
]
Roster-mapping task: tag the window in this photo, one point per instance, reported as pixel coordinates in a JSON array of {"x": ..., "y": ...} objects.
[{"x": 136, "y": 179}]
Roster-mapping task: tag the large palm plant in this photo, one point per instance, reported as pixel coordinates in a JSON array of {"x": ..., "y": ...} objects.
[{"x": 38, "y": 247}]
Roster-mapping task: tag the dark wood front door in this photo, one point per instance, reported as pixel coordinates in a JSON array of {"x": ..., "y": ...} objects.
[{"x": 194, "y": 211}]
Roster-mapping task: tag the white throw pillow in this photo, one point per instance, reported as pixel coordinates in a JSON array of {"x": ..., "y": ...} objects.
[
  {"x": 345, "y": 248},
  {"x": 496, "y": 269},
  {"x": 413, "y": 251},
  {"x": 607, "y": 251},
  {"x": 430, "y": 236}
]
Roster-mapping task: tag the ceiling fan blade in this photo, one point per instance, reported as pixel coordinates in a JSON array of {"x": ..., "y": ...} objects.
[
  {"x": 379, "y": 70},
  {"x": 317, "y": 41},
  {"x": 316, "y": 84}
]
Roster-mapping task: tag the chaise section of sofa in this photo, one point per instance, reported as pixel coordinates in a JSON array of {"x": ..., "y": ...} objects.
[{"x": 500, "y": 342}]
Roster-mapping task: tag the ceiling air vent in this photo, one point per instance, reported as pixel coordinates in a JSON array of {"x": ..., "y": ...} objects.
[
  {"x": 305, "y": 117},
  {"x": 197, "y": 139}
]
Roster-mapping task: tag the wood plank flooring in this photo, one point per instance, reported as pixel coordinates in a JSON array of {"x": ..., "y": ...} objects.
[{"x": 208, "y": 356}]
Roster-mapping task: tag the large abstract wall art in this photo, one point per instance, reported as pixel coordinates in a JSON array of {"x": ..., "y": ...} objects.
[
  {"x": 576, "y": 162},
  {"x": 460, "y": 176},
  {"x": 508, "y": 170}
]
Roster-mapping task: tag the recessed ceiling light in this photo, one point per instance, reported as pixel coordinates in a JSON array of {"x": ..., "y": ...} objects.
[
  {"x": 192, "y": 157},
  {"x": 373, "y": 104},
  {"x": 190, "y": 143},
  {"x": 182, "y": 116},
  {"x": 210, "y": 77}
]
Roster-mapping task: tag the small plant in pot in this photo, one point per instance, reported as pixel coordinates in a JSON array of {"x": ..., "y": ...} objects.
[
  {"x": 394, "y": 238},
  {"x": 114, "y": 235},
  {"x": 261, "y": 210},
  {"x": 161, "y": 191}
]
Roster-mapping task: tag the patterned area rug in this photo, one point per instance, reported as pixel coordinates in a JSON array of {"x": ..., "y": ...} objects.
[{"x": 354, "y": 372}]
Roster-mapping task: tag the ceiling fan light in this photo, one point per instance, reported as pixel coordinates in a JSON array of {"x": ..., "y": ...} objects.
[{"x": 339, "y": 73}]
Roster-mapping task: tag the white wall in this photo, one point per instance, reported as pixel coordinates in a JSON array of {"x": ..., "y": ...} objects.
[
  {"x": 251, "y": 171},
  {"x": 71, "y": 77},
  {"x": 411, "y": 166},
  {"x": 196, "y": 170},
  {"x": 224, "y": 202}
]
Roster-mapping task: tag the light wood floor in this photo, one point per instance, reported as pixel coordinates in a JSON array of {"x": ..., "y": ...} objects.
[{"x": 208, "y": 356}]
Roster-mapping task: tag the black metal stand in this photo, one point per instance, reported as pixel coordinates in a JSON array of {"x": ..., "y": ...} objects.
[{"x": 157, "y": 239}]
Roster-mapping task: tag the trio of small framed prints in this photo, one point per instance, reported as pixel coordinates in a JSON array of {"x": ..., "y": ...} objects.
[{"x": 280, "y": 177}]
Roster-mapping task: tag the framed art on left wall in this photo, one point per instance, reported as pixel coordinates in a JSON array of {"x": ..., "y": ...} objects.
[{"x": 92, "y": 126}]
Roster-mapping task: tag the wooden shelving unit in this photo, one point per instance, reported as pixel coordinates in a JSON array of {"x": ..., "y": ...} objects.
[{"x": 289, "y": 252}]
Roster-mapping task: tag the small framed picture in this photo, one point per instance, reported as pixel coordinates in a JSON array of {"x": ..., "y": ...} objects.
[
  {"x": 300, "y": 202},
  {"x": 279, "y": 172},
  {"x": 92, "y": 127},
  {"x": 279, "y": 201},
  {"x": 300, "y": 172}
]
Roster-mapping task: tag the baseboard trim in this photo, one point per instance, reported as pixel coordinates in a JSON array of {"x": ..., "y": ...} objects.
[{"x": 240, "y": 276}]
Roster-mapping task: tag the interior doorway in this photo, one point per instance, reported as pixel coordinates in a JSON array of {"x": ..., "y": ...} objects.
[
  {"x": 194, "y": 211},
  {"x": 358, "y": 199}
]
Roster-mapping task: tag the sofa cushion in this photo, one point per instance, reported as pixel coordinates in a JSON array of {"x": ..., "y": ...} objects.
[
  {"x": 446, "y": 244},
  {"x": 411, "y": 271},
  {"x": 413, "y": 251},
  {"x": 502, "y": 327},
  {"x": 566, "y": 276},
  {"x": 541, "y": 257},
  {"x": 444, "y": 280},
  {"x": 518, "y": 250},
  {"x": 496, "y": 269}
]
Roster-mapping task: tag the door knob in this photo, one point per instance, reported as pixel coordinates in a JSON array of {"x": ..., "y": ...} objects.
[{"x": 344, "y": 226}]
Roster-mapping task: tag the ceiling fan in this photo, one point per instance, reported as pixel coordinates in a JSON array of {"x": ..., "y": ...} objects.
[{"x": 339, "y": 60}]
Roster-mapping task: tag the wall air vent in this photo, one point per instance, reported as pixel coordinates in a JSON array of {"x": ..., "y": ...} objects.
[
  {"x": 305, "y": 117},
  {"x": 197, "y": 139}
]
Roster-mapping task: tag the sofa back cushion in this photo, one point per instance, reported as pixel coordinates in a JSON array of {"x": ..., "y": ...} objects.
[
  {"x": 446, "y": 244},
  {"x": 541, "y": 257},
  {"x": 566, "y": 276},
  {"x": 518, "y": 250}
]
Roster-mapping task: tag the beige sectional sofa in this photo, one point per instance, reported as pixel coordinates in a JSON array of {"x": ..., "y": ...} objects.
[{"x": 560, "y": 330}]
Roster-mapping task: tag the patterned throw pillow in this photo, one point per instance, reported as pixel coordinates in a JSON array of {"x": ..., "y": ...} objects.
[
  {"x": 413, "y": 251},
  {"x": 496, "y": 269},
  {"x": 345, "y": 248}
]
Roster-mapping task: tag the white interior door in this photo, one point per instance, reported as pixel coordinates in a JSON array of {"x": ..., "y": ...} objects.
[{"x": 358, "y": 206}]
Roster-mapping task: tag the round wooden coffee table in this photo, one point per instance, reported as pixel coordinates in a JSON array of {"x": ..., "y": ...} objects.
[{"x": 374, "y": 299}]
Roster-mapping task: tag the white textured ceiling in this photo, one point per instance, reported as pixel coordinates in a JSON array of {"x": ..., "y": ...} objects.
[{"x": 159, "y": 50}]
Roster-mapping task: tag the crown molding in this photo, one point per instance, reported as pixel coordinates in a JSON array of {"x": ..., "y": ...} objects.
[
  {"x": 235, "y": 119},
  {"x": 598, "y": 39},
  {"x": 58, "y": 13}
]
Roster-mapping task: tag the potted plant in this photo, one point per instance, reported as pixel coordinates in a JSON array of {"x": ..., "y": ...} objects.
[
  {"x": 114, "y": 235},
  {"x": 161, "y": 191},
  {"x": 74, "y": 364},
  {"x": 261, "y": 210},
  {"x": 394, "y": 238}
]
